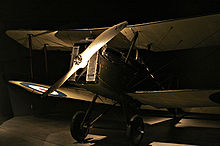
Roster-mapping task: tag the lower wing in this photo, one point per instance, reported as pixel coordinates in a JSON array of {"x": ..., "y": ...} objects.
[
  {"x": 72, "y": 92},
  {"x": 178, "y": 98},
  {"x": 159, "y": 99}
]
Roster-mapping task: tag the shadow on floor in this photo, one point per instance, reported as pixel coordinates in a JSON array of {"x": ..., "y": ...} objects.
[{"x": 38, "y": 131}]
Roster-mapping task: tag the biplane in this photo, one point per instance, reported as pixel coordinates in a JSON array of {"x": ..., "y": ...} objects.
[{"x": 110, "y": 65}]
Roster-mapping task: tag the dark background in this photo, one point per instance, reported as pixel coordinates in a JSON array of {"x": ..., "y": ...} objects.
[{"x": 38, "y": 14}]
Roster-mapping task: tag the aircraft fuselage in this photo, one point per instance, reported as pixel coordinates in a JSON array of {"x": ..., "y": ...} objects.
[{"x": 115, "y": 78}]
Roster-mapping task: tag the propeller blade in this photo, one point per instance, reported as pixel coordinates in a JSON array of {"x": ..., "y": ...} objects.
[{"x": 82, "y": 59}]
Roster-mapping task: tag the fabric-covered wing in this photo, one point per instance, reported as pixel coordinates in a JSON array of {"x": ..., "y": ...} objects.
[
  {"x": 39, "y": 38},
  {"x": 75, "y": 35},
  {"x": 177, "y": 98},
  {"x": 179, "y": 34},
  {"x": 73, "y": 92},
  {"x": 64, "y": 39},
  {"x": 203, "y": 31}
]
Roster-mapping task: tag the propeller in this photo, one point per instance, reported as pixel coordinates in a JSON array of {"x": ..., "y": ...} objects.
[{"x": 82, "y": 59}]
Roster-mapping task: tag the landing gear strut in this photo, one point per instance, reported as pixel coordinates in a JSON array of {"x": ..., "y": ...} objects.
[{"x": 80, "y": 124}]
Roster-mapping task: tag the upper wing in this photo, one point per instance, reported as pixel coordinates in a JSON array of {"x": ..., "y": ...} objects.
[
  {"x": 72, "y": 92},
  {"x": 166, "y": 35},
  {"x": 39, "y": 38},
  {"x": 179, "y": 34},
  {"x": 178, "y": 98},
  {"x": 62, "y": 40}
]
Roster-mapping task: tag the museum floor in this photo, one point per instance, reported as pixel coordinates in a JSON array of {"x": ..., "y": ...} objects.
[{"x": 54, "y": 131}]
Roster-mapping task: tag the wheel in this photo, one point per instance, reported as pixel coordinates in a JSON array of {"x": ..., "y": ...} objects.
[
  {"x": 77, "y": 130},
  {"x": 135, "y": 130}
]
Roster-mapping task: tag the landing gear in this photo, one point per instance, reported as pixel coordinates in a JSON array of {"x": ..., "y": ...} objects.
[
  {"x": 77, "y": 128},
  {"x": 135, "y": 124},
  {"x": 135, "y": 130},
  {"x": 82, "y": 122}
]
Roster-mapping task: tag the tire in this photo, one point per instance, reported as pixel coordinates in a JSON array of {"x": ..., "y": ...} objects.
[
  {"x": 135, "y": 130},
  {"x": 78, "y": 132}
]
